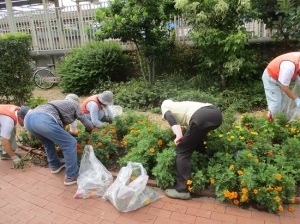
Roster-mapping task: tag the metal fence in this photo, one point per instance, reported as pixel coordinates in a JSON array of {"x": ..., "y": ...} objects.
[{"x": 58, "y": 30}]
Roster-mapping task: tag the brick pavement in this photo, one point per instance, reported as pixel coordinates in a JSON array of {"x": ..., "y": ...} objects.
[{"x": 34, "y": 195}]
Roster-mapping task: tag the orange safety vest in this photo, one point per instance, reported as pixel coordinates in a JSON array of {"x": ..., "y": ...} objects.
[
  {"x": 9, "y": 110},
  {"x": 91, "y": 98},
  {"x": 273, "y": 67}
]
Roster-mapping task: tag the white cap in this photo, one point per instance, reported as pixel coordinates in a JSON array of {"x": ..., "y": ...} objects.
[{"x": 73, "y": 97}]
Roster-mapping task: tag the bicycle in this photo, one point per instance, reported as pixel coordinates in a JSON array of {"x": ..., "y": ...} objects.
[{"x": 44, "y": 78}]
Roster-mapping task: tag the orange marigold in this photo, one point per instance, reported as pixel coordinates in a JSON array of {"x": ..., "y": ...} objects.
[
  {"x": 212, "y": 181},
  {"x": 244, "y": 198},
  {"x": 291, "y": 208},
  {"x": 255, "y": 191},
  {"x": 278, "y": 199},
  {"x": 240, "y": 172},
  {"x": 280, "y": 208},
  {"x": 160, "y": 142},
  {"x": 278, "y": 176},
  {"x": 244, "y": 190},
  {"x": 152, "y": 150},
  {"x": 236, "y": 202},
  {"x": 99, "y": 144},
  {"x": 270, "y": 153},
  {"x": 231, "y": 166},
  {"x": 189, "y": 182}
]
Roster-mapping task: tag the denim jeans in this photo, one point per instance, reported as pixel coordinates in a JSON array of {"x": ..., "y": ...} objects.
[{"x": 50, "y": 133}]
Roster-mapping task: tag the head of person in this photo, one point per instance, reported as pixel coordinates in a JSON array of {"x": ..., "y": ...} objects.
[
  {"x": 21, "y": 114},
  {"x": 106, "y": 98},
  {"x": 73, "y": 97}
]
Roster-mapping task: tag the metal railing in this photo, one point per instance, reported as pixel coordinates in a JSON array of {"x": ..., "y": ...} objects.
[{"x": 58, "y": 30}]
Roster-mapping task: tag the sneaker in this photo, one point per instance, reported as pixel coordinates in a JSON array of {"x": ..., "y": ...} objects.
[
  {"x": 4, "y": 156},
  {"x": 70, "y": 180},
  {"x": 172, "y": 193},
  {"x": 58, "y": 169}
]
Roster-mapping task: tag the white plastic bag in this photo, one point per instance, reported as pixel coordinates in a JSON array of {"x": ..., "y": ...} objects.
[
  {"x": 116, "y": 110},
  {"x": 290, "y": 108},
  {"x": 129, "y": 191},
  {"x": 94, "y": 178}
]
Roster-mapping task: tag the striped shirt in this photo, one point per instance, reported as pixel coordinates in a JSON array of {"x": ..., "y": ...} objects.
[{"x": 69, "y": 111}]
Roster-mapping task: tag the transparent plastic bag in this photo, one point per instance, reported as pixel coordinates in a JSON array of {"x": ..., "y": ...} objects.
[
  {"x": 94, "y": 178},
  {"x": 290, "y": 108},
  {"x": 129, "y": 191}
]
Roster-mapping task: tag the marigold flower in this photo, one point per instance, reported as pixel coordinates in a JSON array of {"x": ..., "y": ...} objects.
[
  {"x": 278, "y": 199},
  {"x": 278, "y": 189},
  {"x": 270, "y": 153},
  {"x": 231, "y": 166},
  {"x": 226, "y": 193},
  {"x": 220, "y": 135},
  {"x": 249, "y": 155},
  {"x": 255, "y": 191},
  {"x": 291, "y": 208},
  {"x": 235, "y": 194},
  {"x": 212, "y": 181},
  {"x": 89, "y": 142},
  {"x": 293, "y": 130},
  {"x": 100, "y": 144},
  {"x": 243, "y": 183},
  {"x": 278, "y": 176},
  {"x": 240, "y": 172},
  {"x": 293, "y": 200},
  {"x": 231, "y": 137},
  {"x": 236, "y": 202},
  {"x": 280, "y": 208},
  {"x": 256, "y": 160},
  {"x": 254, "y": 133},
  {"x": 78, "y": 146},
  {"x": 244, "y": 198},
  {"x": 287, "y": 125},
  {"x": 152, "y": 150},
  {"x": 205, "y": 142},
  {"x": 242, "y": 138},
  {"x": 189, "y": 182},
  {"x": 160, "y": 142},
  {"x": 244, "y": 190},
  {"x": 231, "y": 195},
  {"x": 190, "y": 188},
  {"x": 208, "y": 134},
  {"x": 57, "y": 148}
]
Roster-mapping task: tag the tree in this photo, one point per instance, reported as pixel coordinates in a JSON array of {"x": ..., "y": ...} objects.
[
  {"x": 142, "y": 22},
  {"x": 219, "y": 34},
  {"x": 281, "y": 15}
]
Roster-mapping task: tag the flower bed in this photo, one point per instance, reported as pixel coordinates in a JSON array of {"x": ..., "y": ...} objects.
[{"x": 255, "y": 161}]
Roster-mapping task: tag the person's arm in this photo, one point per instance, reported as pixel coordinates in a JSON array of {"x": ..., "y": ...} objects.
[
  {"x": 287, "y": 70},
  {"x": 6, "y": 130},
  {"x": 176, "y": 128},
  {"x": 73, "y": 128},
  {"x": 94, "y": 114},
  {"x": 86, "y": 122}
]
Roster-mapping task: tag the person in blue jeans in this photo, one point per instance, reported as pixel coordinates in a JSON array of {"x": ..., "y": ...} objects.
[{"x": 47, "y": 122}]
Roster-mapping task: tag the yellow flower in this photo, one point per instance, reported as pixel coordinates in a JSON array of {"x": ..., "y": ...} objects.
[
  {"x": 231, "y": 137},
  {"x": 208, "y": 134},
  {"x": 287, "y": 125},
  {"x": 152, "y": 150},
  {"x": 249, "y": 155},
  {"x": 244, "y": 190},
  {"x": 237, "y": 127},
  {"x": 212, "y": 181},
  {"x": 280, "y": 208},
  {"x": 240, "y": 172},
  {"x": 242, "y": 138},
  {"x": 231, "y": 166},
  {"x": 189, "y": 182},
  {"x": 254, "y": 133},
  {"x": 204, "y": 143},
  {"x": 255, "y": 191},
  {"x": 278, "y": 176},
  {"x": 220, "y": 135},
  {"x": 278, "y": 199},
  {"x": 256, "y": 160},
  {"x": 147, "y": 201},
  {"x": 293, "y": 130}
]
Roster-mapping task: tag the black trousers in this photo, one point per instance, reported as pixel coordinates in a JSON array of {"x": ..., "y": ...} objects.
[{"x": 203, "y": 120}]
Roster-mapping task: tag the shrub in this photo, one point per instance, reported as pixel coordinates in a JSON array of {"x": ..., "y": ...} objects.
[
  {"x": 15, "y": 71},
  {"x": 96, "y": 62}
]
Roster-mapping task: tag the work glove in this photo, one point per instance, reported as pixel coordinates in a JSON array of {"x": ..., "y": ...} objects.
[
  {"x": 297, "y": 101},
  {"x": 178, "y": 132},
  {"x": 16, "y": 159}
]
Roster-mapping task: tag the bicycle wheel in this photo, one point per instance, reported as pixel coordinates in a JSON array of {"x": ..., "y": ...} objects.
[{"x": 43, "y": 78}]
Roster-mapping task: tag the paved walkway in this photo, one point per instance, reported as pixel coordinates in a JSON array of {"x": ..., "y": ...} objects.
[{"x": 34, "y": 195}]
